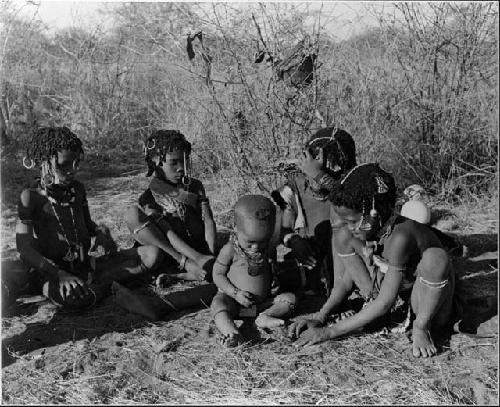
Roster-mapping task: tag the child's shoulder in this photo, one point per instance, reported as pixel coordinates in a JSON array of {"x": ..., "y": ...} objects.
[
  {"x": 30, "y": 197},
  {"x": 403, "y": 238},
  {"x": 196, "y": 186},
  {"x": 227, "y": 249}
]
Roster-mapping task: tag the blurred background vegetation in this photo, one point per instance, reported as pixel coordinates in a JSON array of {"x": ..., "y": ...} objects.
[{"x": 248, "y": 84}]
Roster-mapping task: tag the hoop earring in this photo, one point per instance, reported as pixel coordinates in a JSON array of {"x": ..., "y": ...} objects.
[
  {"x": 28, "y": 167},
  {"x": 186, "y": 179},
  {"x": 150, "y": 146},
  {"x": 373, "y": 210}
]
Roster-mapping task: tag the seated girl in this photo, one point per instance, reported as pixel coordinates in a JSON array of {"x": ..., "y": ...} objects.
[
  {"x": 174, "y": 214},
  {"x": 305, "y": 211},
  {"x": 403, "y": 258}
]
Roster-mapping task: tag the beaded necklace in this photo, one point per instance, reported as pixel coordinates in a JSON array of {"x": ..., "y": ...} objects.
[
  {"x": 75, "y": 249},
  {"x": 255, "y": 260}
]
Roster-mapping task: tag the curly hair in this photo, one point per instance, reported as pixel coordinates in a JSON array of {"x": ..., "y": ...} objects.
[
  {"x": 338, "y": 148},
  {"x": 365, "y": 187},
  {"x": 162, "y": 142},
  {"x": 47, "y": 141}
]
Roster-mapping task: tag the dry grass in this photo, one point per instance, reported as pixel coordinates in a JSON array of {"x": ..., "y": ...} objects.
[
  {"x": 180, "y": 362},
  {"x": 109, "y": 356}
]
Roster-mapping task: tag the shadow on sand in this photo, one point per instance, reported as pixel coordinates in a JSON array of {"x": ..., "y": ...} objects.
[{"x": 41, "y": 325}]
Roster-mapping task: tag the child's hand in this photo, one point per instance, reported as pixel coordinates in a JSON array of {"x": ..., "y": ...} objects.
[
  {"x": 70, "y": 284},
  {"x": 311, "y": 166},
  {"x": 244, "y": 298},
  {"x": 313, "y": 336},
  {"x": 314, "y": 321},
  {"x": 104, "y": 239},
  {"x": 303, "y": 252}
]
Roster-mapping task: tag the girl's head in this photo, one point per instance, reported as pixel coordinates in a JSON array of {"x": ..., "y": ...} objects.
[
  {"x": 167, "y": 153},
  {"x": 339, "y": 150},
  {"x": 365, "y": 199},
  {"x": 58, "y": 151},
  {"x": 254, "y": 220}
]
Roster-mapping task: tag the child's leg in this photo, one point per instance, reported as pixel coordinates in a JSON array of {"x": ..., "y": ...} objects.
[
  {"x": 283, "y": 306},
  {"x": 223, "y": 308},
  {"x": 148, "y": 233},
  {"x": 431, "y": 299},
  {"x": 155, "y": 308},
  {"x": 130, "y": 263}
]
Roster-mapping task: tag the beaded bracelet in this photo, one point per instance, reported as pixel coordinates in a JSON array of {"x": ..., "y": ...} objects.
[
  {"x": 182, "y": 263},
  {"x": 235, "y": 292}
]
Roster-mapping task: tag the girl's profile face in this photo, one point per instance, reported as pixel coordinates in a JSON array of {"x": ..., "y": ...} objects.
[
  {"x": 65, "y": 166},
  {"x": 173, "y": 166},
  {"x": 362, "y": 227}
]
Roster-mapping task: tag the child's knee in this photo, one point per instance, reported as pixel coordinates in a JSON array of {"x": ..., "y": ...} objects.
[
  {"x": 222, "y": 303},
  {"x": 134, "y": 217},
  {"x": 151, "y": 256},
  {"x": 434, "y": 264},
  {"x": 289, "y": 299}
]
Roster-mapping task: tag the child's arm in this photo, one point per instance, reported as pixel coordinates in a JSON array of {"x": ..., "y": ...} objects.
[
  {"x": 341, "y": 243},
  {"x": 397, "y": 253},
  {"x": 25, "y": 237},
  {"x": 300, "y": 247},
  {"x": 208, "y": 220},
  {"x": 320, "y": 180},
  {"x": 220, "y": 270},
  {"x": 148, "y": 204},
  {"x": 345, "y": 259}
]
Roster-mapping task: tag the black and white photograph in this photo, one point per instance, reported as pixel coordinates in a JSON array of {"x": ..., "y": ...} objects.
[{"x": 249, "y": 203}]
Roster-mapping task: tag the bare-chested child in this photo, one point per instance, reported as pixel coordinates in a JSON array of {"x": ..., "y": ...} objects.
[
  {"x": 404, "y": 259},
  {"x": 328, "y": 155},
  {"x": 243, "y": 271},
  {"x": 55, "y": 230},
  {"x": 174, "y": 214}
]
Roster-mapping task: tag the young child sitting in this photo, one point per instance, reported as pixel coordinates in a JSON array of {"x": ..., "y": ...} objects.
[
  {"x": 243, "y": 271},
  {"x": 174, "y": 214},
  {"x": 404, "y": 259},
  {"x": 54, "y": 233},
  {"x": 328, "y": 156}
]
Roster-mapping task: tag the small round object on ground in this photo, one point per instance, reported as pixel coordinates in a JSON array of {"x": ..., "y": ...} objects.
[{"x": 417, "y": 211}]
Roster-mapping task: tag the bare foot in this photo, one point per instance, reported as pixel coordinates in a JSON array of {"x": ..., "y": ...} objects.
[
  {"x": 422, "y": 343},
  {"x": 232, "y": 340},
  {"x": 192, "y": 272},
  {"x": 137, "y": 304},
  {"x": 266, "y": 321}
]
